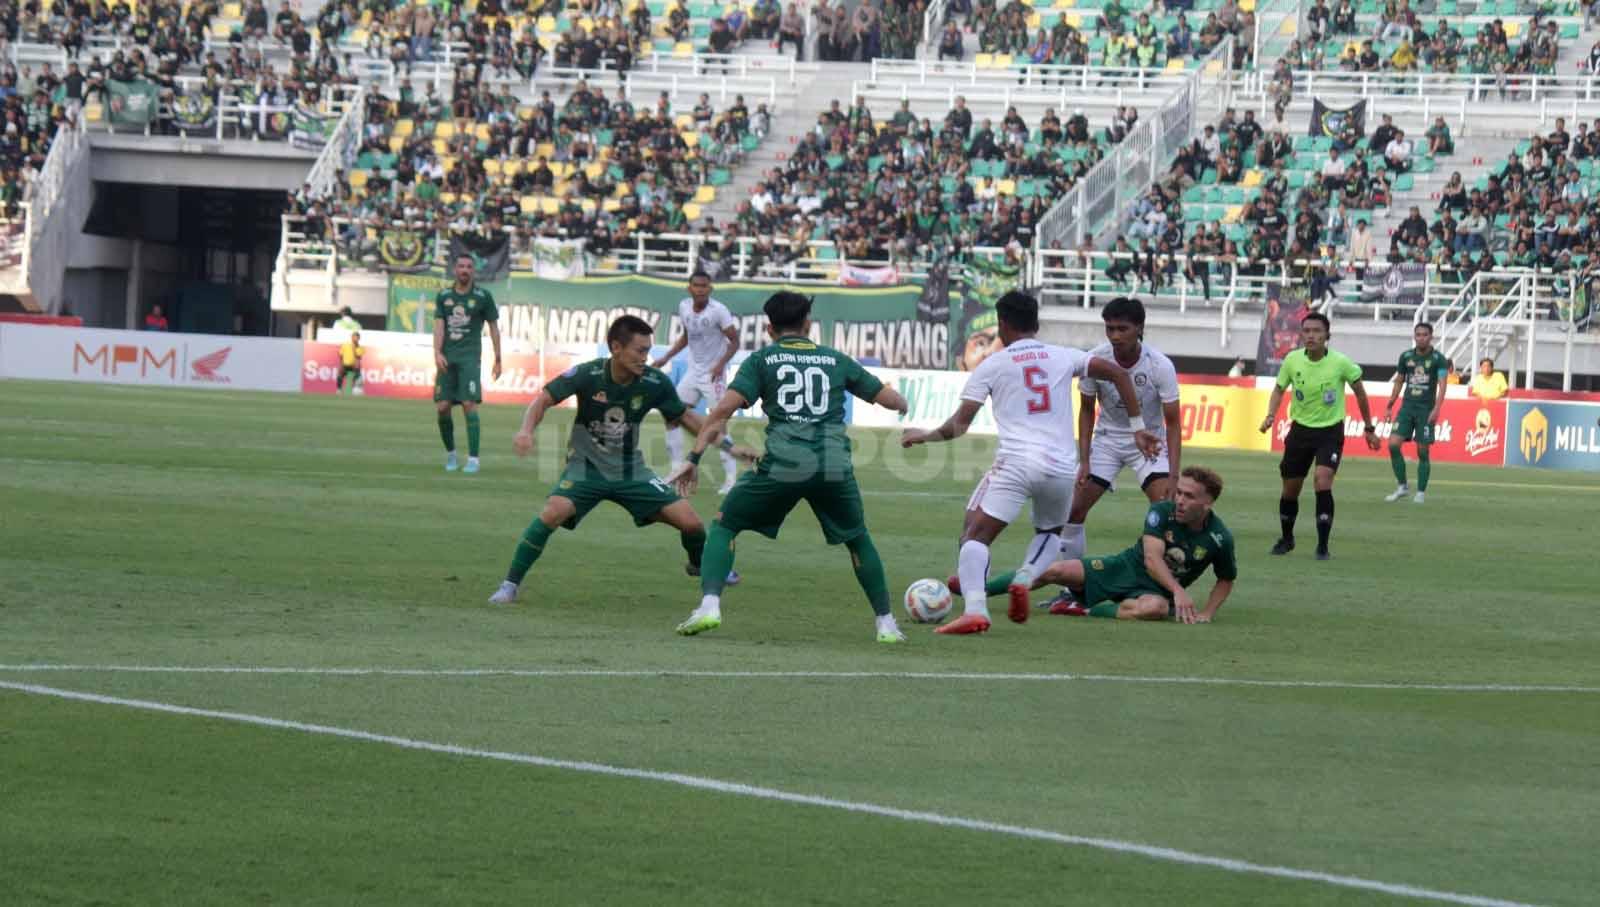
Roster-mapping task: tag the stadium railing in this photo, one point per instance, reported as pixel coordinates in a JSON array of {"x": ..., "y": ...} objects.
[
  {"x": 1473, "y": 87},
  {"x": 1041, "y": 78},
  {"x": 756, "y": 88},
  {"x": 39, "y": 235},
  {"x": 234, "y": 117}
]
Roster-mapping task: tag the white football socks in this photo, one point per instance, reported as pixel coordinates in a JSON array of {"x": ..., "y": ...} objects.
[
  {"x": 1072, "y": 542},
  {"x": 709, "y": 605},
  {"x": 1042, "y": 552},
  {"x": 972, "y": 566},
  {"x": 675, "y": 445}
]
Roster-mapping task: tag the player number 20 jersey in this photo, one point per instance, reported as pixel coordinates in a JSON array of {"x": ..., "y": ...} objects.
[{"x": 1030, "y": 384}]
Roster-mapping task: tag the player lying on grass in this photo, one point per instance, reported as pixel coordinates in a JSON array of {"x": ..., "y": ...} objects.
[
  {"x": 603, "y": 460},
  {"x": 802, "y": 388},
  {"x": 1031, "y": 386},
  {"x": 1182, "y": 538}
]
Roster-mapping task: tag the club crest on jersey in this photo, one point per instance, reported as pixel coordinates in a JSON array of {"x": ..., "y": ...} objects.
[
  {"x": 636, "y": 402},
  {"x": 1140, "y": 380},
  {"x": 600, "y": 396},
  {"x": 1153, "y": 520},
  {"x": 1169, "y": 535},
  {"x": 1199, "y": 553}
]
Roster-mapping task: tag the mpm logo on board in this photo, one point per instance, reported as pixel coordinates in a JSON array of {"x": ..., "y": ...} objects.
[{"x": 118, "y": 359}]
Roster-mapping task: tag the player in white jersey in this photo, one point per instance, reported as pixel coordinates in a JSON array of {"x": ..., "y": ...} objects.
[
  {"x": 1031, "y": 385},
  {"x": 712, "y": 335},
  {"x": 1106, "y": 447}
]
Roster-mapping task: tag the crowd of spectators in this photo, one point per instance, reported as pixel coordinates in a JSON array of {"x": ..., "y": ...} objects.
[{"x": 1117, "y": 36}]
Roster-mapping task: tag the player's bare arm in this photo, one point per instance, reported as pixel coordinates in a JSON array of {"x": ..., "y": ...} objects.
[
  {"x": 892, "y": 400},
  {"x": 1273, "y": 402},
  {"x": 952, "y": 428},
  {"x": 695, "y": 424},
  {"x": 718, "y": 367},
  {"x": 531, "y": 417},
  {"x": 438, "y": 345},
  {"x": 1219, "y": 594},
  {"x": 1172, "y": 415},
  {"x": 1371, "y": 434},
  {"x": 1086, "y": 419},
  {"x": 494, "y": 340},
  {"x": 687, "y": 476},
  {"x": 1395, "y": 386},
  {"x": 1155, "y": 564},
  {"x": 1106, "y": 370},
  {"x": 1439, "y": 389},
  {"x": 673, "y": 350}
]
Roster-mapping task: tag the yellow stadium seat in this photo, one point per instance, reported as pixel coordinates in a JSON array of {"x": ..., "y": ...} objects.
[
  {"x": 449, "y": 198},
  {"x": 93, "y": 112},
  {"x": 683, "y": 49},
  {"x": 692, "y": 139},
  {"x": 448, "y": 162},
  {"x": 1074, "y": 20},
  {"x": 396, "y": 143},
  {"x": 1247, "y": 6},
  {"x": 404, "y": 128},
  {"x": 549, "y": 205},
  {"x": 1033, "y": 20},
  {"x": 491, "y": 166},
  {"x": 544, "y": 150},
  {"x": 1175, "y": 65},
  {"x": 683, "y": 121},
  {"x": 358, "y": 178},
  {"x": 1513, "y": 28},
  {"x": 587, "y": 204},
  {"x": 512, "y": 167},
  {"x": 1252, "y": 177},
  {"x": 1006, "y": 187},
  {"x": 524, "y": 113},
  {"x": 220, "y": 31},
  {"x": 1002, "y": 61},
  {"x": 610, "y": 205},
  {"x": 440, "y": 146},
  {"x": 547, "y": 24},
  {"x": 530, "y": 204},
  {"x": 444, "y": 129},
  {"x": 1289, "y": 27},
  {"x": 983, "y": 61},
  {"x": 594, "y": 170},
  {"x": 358, "y": 36},
  {"x": 705, "y": 195},
  {"x": 1066, "y": 4},
  {"x": 691, "y": 211},
  {"x": 232, "y": 11},
  {"x": 621, "y": 190},
  {"x": 1232, "y": 217},
  {"x": 482, "y": 132}
]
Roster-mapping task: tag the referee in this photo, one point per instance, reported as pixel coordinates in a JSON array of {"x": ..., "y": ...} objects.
[{"x": 1316, "y": 430}]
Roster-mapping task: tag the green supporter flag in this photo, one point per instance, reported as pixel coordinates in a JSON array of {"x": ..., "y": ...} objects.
[{"x": 132, "y": 103}]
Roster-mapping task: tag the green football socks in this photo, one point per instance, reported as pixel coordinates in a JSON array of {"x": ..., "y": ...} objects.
[
  {"x": 447, "y": 431},
  {"x": 869, "y": 572},
  {"x": 1106, "y": 609},
  {"x": 472, "y": 433},
  {"x": 998, "y": 583},
  {"x": 717, "y": 561},
  {"x": 1397, "y": 460},
  {"x": 694, "y": 545},
  {"x": 1424, "y": 467},
  {"x": 528, "y": 550}
]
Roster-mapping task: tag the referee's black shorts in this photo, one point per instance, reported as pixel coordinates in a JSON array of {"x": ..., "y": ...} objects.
[{"x": 1304, "y": 446}]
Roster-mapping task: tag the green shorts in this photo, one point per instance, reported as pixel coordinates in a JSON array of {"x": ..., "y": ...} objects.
[
  {"x": 1116, "y": 579},
  {"x": 760, "y": 502},
  {"x": 459, "y": 383},
  {"x": 1409, "y": 426},
  {"x": 643, "y": 496}
]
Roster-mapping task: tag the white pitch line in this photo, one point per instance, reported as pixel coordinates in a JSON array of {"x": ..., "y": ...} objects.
[
  {"x": 1113, "y": 845},
  {"x": 799, "y": 675}
]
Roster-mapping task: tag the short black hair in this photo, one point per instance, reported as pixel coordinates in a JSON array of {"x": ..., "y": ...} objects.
[
  {"x": 1124, "y": 308},
  {"x": 699, "y": 273},
  {"x": 1425, "y": 324},
  {"x": 1318, "y": 316},
  {"x": 1018, "y": 311},
  {"x": 787, "y": 310},
  {"x": 624, "y": 329},
  {"x": 467, "y": 255}
]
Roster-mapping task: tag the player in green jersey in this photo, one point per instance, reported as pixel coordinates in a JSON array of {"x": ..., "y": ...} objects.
[
  {"x": 603, "y": 459},
  {"x": 1182, "y": 538},
  {"x": 459, "y": 315},
  {"x": 1316, "y": 431},
  {"x": 1421, "y": 376},
  {"x": 801, "y": 387}
]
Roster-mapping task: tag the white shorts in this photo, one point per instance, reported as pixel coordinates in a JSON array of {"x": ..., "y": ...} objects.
[
  {"x": 1108, "y": 454},
  {"x": 1010, "y": 483},
  {"x": 693, "y": 388}
]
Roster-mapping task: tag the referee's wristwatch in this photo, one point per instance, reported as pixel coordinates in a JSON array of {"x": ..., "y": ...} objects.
[{"x": 1371, "y": 429}]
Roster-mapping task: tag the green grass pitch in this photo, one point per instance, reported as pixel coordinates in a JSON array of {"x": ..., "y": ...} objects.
[{"x": 167, "y": 528}]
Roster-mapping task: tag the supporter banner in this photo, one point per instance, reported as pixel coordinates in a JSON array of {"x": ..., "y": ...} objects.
[
  {"x": 1280, "y": 325},
  {"x": 1468, "y": 431},
  {"x": 490, "y": 254},
  {"x": 132, "y": 103},
  {"x": 310, "y": 129},
  {"x": 977, "y": 333},
  {"x": 852, "y": 276},
  {"x": 882, "y": 326},
  {"x": 404, "y": 250},
  {"x": 1403, "y": 284},
  {"x": 408, "y": 372},
  {"x": 1580, "y": 308},
  {"x": 138, "y": 357},
  {"x": 1329, "y": 121},
  {"x": 558, "y": 259},
  {"x": 195, "y": 113},
  {"x": 1552, "y": 434}
]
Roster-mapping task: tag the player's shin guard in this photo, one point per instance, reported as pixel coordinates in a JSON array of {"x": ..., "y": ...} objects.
[
  {"x": 1072, "y": 542},
  {"x": 1324, "y": 517},
  {"x": 1288, "y": 510},
  {"x": 869, "y": 572},
  {"x": 447, "y": 431},
  {"x": 1397, "y": 461},
  {"x": 1424, "y": 467},
  {"x": 473, "y": 433},
  {"x": 528, "y": 550},
  {"x": 972, "y": 566},
  {"x": 718, "y": 560},
  {"x": 694, "y": 545}
]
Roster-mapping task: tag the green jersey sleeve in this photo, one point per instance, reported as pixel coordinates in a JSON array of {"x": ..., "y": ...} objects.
[
  {"x": 491, "y": 312},
  {"x": 861, "y": 382},
  {"x": 441, "y": 307},
  {"x": 1285, "y": 374},
  {"x": 1223, "y": 562},
  {"x": 566, "y": 384},
  {"x": 1155, "y": 520},
  {"x": 747, "y": 380}
]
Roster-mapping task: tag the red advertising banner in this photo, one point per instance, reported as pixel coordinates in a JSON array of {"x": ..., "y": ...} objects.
[
  {"x": 1468, "y": 431},
  {"x": 408, "y": 372}
]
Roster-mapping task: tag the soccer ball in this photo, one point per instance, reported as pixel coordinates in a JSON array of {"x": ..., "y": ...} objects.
[{"x": 927, "y": 601}]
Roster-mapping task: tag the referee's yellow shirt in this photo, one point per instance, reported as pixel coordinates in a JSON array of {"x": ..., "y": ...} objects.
[{"x": 1318, "y": 400}]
